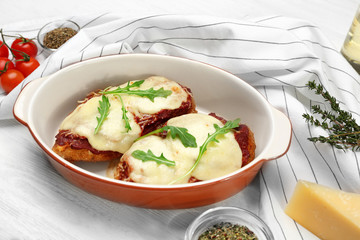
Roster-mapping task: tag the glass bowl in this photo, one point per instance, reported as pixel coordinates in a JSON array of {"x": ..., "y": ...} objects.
[
  {"x": 54, "y": 25},
  {"x": 232, "y": 215}
]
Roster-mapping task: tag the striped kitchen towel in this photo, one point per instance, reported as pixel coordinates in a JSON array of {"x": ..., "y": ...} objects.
[{"x": 277, "y": 55}]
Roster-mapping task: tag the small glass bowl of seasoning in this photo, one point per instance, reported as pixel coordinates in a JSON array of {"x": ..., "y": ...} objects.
[
  {"x": 228, "y": 223},
  {"x": 56, "y": 33}
]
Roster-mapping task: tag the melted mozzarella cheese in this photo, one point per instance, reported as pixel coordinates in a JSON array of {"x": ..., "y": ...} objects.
[
  {"x": 113, "y": 136},
  {"x": 220, "y": 158},
  {"x": 142, "y": 105},
  {"x": 150, "y": 172}
]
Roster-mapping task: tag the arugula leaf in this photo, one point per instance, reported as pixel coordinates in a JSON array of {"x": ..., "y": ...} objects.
[
  {"x": 149, "y": 156},
  {"x": 103, "y": 109},
  {"x": 211, "y": 138},
  {"x": 124, "y": 117},
  {"x": 135, "y": 84},
  {"x": 149, "y": 93},
  {"x": 186, "y": 138}
]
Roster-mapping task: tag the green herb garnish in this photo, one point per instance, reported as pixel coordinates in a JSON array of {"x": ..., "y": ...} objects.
[
  {"x": 186, "y": 138},
  {"x": 105, "y": 104},
  {"x": 149, "y": 156},
  {"x": 343, "y": 131},
  {"x": 104, "y": 112},
  {"x": 149, "y": 93},
  {"x": 227, "y": 230},
  {"x": 124, "y": 117},
  {"x": 211, "y": 138}
]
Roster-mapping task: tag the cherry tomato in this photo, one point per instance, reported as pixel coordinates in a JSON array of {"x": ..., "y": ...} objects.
[
  {"x": 10, "y": 79},
  {"x": 27, "y": 67},
  {"x": 3, "y": 61},
  {"x": 24, "y": 45},
  {"x": 4, "y": 51}
]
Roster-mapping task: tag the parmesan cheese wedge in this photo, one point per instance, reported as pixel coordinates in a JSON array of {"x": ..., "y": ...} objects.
[{"x": 327, "y": 213}]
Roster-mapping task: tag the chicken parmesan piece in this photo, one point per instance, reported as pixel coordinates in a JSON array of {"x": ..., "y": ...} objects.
[
  {"x": 132, "y": 110},
  {"x": 228, "y": 153}
]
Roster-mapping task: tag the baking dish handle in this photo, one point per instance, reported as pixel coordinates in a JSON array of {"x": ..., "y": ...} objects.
[
  {"x": 281, "y": 139},
  {"x": 22, "y": 102}
]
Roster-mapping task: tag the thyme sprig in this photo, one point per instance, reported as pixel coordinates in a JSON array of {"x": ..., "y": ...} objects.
[{"x": 343, "y": 131}]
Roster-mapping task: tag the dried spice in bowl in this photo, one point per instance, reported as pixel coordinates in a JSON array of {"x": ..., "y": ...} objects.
[
  {"x": 57, "y": 37},
  {"x": 227, "y": 223},
  {"x": 228, "y": 231}
]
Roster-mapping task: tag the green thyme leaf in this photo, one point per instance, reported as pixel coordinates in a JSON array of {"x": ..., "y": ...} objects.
[
  {"x": 211, "y": 138},
  {"x": 124, "y": 117},
  {"x": 103, "y": 109},
  {"x": 343, "y": 131},
  {"x": 149, "y": 156},
  {"x": 148, "y": 93},
  {"x": 186, "y": 138}
]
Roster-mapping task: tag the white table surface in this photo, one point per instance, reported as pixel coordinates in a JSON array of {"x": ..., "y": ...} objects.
[{"x": 333, "y": 17}]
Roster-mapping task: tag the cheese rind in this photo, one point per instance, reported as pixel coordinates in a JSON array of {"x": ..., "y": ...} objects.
[{"x": 328, "y": 213}]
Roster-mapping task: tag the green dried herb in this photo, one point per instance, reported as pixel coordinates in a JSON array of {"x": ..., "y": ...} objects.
[
  {"x": 149, "y": 156},
  {"x": 228, "y": 231},
  {"x": 186, "y": 138},
  {"x": 343, "y": 131},
  {"x": 57, "y": 37},
  {"x": 104, "y": 107}
]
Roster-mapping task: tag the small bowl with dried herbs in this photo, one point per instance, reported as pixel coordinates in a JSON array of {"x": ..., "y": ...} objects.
[
  {"x": 228, "y": 223},
  {"x": 54, "y": 34}
]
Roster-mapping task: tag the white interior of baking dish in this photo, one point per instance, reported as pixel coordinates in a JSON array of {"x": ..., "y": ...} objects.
[{"x": 214, "y": 90}]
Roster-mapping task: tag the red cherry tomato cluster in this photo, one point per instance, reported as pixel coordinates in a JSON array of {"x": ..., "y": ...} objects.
[{"x": 12, "y": 73}]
